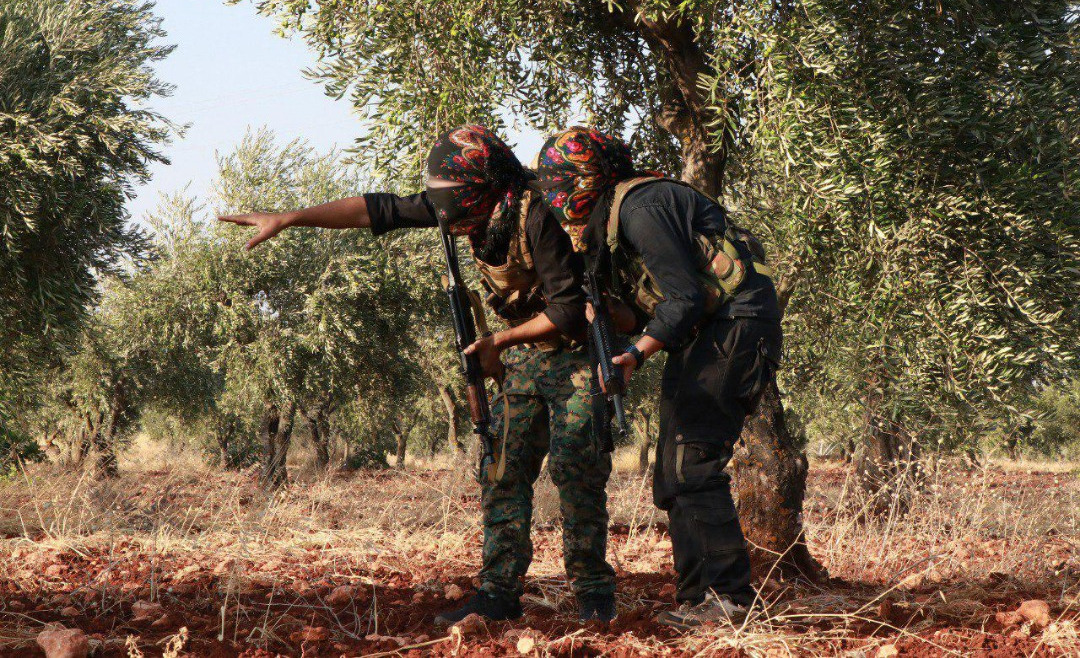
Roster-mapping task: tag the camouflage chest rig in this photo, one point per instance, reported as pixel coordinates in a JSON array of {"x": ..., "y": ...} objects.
[
  {"x": 722, "y": 261},
  {"x": 513, "y": 289}
]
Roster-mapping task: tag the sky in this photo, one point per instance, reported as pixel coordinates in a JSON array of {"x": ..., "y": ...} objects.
[{"x": 231, "y": 72}]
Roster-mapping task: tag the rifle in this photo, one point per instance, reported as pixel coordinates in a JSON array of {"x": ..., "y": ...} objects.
[
  {"x": 462, "y": 308},
  {"x": 601, "y": 348}
]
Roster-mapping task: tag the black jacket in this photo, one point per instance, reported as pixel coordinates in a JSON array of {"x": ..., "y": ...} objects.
[{"x": 557, "y": 265}]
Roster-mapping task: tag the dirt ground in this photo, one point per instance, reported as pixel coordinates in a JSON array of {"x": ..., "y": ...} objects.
[{"x": 182, "y": 560}]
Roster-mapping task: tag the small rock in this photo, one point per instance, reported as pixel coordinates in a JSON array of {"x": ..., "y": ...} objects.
[
  {"x": 526, "y": 644},
  {"x": 913, "y": 581},
  {"x": 1007, "y": 619},
  {"x": 341, "y": 595},
  {"x": 189, "y": 572},
  {"x": 167, "y": 620},
  {"x": 470, "y": 624},
  {"x": 454, "y": 593},
  {"x": 146, "y": 611},
  {"x": 1035, "y": 611},
  {"x": 887, "y": 651},
  {"x": 314, "y": 634},
  {"x": 64, "y": 643},
  {"x": 885, "y": 609},
  {"x": 97, "y": 646},
  {"x": 769, "y": 587},
  {"x": 668, "y": 591},
  {"x": 399, "y": 641}
]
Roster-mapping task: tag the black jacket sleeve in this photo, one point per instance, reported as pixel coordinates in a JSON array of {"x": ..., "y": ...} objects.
[
  {"x": 662, "y": 235},
  {"x": 560, "y": 270},
  {"x": 390, "y": 211}
]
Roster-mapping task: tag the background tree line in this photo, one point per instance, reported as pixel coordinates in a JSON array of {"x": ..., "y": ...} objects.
[{"x": 911, "y": 165}]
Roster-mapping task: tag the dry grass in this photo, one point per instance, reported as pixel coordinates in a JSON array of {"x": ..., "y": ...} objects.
[{"x": 245, "y": 570}]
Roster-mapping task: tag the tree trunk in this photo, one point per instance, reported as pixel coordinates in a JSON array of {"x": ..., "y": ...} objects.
[
  {"x": 770, "y": 485},
  {"x": 225, "y": 430},
  {"x": 84, "y": 445},
  {"x": 887, "y": 465},
  {"x": 320, "y": 438},
  {"x": 646, "y": 442},
  {"x": 402, "y": 437},
  {"x": 275, "y": 433},
  {"x": 452, "y": 439},
  {"x": 104, "y": 438}
]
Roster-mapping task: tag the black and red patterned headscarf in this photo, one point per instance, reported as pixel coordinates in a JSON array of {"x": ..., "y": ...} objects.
[
  {"x": 493, "y": 183},
  {"x": 576, "y": 168}
]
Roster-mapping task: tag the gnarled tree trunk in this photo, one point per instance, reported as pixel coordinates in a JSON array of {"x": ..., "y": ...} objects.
[
  {"x": 115, "y": 421},
  {"x": 887, "y": 466},
  {"x": 401, "y": 436},
  {"x": 275, "y": 432},
  {"x": 320, "y": 435},
  {"x": 452, "y": 439},
  {"x": 770, "y": 484},
  {"x": 646, "y": 442}
]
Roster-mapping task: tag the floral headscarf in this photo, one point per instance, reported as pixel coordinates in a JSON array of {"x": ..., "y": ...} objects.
[
  {"x": 493, "y": 182},
  {"x": 576, "y": 168}
]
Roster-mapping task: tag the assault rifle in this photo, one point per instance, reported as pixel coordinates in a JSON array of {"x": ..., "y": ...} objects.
[
  {"x": 462, "y": 308},
  {"x": 601, "y": 347}
]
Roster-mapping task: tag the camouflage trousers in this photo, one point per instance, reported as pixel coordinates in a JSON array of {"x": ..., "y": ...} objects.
[{"x": 546, "y": 405}]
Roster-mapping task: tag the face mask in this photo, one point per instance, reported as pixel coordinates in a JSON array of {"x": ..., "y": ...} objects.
[{"x": 446, "y": 201}]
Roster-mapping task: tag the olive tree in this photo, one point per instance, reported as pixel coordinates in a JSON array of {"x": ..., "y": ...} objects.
[
  {"x": 75, "y": 136},
  {"x": 913, "y": 161}
]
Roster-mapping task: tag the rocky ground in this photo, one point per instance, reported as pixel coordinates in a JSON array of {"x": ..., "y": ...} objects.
[{"x": 180, "y": 561}]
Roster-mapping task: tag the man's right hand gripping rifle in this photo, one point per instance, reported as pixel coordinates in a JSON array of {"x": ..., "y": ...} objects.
[{"x": 605, "y": 318}]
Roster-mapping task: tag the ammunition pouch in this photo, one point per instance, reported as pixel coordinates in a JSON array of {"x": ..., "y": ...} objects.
[
  {"x": 513, "y": 289},
  {"x": 722, "y": 262}
]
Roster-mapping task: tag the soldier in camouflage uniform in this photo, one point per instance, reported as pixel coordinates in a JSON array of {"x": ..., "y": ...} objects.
[
  {"x": 549, "y": 412},
  {"x": 534, "y": 283}
]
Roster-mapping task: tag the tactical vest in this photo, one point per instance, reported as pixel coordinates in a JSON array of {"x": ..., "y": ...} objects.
[
  {"x": 513, "y": 288},
  {"x": 722, "y": 261}
]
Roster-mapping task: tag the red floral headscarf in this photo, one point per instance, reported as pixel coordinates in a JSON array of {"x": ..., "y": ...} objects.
[
  {"x": 576, "y": 168},
  {"x": 493, "y": 180}
]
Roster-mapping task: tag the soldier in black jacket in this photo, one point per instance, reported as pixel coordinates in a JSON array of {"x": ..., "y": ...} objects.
[{"x": 697, "y": 287}]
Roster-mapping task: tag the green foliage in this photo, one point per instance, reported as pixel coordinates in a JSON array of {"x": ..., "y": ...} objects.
[
  {"x": 907, "y": 162},
  {"x": 1057, "y": 430},
  {"x": 74, "y": 137},
  {"x": 16, "y": 448},
  {"x": 911, "y": 162},
  {"x": 412, "y": 69},
  {"x": 338, "y": 323}
]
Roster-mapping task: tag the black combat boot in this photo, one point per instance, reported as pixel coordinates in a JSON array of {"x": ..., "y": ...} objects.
[
  {"x": 488, "y": 606},
  {"x": 596, "y": 606}
]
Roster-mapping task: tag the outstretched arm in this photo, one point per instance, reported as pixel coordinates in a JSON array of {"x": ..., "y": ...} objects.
[{"x": 350, "y": 212}]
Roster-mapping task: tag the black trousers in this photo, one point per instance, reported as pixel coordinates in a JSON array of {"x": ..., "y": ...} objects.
[{"x": 708, "y": 389}]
